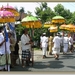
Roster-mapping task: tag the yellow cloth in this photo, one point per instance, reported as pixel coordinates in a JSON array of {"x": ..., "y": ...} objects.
[
  {"x": 12, "y": 44},
  {"x": 50, "y": 43}
]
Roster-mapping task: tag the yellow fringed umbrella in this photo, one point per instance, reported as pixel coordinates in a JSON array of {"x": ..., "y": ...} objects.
[
  {"x": 73, "y": 29},
  {"x": 62, "y": 26},
  {"x": 31, "y": 22},
  {"x": 47, "y": 24},
  {"x": 58, "y": 19},
  {"x": 70, "y": 27},
  {"x": 53, "y": 29}
]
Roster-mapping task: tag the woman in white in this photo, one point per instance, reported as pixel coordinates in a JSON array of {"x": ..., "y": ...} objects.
[
  {"x": 56, "y": 47},
  {"x": 44, "y": 44},
  {"x": 65, "y": 44}
]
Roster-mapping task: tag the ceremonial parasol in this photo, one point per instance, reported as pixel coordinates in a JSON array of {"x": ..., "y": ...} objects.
[
  {"x": 63, "y": 26},
  {"x": 31, "y": 22},
  {"x": 6, "y": 16},
  {"x": 69, "y": 27},
  {"x": 58, "y": 20},
  {"x": 47, "y": 24},
  {"x": 53, "y": 29},
  {"x": 11, "y": 9}
]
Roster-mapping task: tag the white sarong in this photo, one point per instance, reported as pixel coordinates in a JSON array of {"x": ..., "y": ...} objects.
[{"x": 55, "y": 50}]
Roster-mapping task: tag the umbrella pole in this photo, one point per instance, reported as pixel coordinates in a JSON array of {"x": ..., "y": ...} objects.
[
  {"x": 32, "y": 49},
  {"x": 58, "y": 27}
]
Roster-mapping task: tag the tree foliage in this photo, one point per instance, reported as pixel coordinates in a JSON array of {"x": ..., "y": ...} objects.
[
  {"x": 22, "y": 10},
  {"x": 44, "y": 12},
  {"x": 72, "y": 19}
]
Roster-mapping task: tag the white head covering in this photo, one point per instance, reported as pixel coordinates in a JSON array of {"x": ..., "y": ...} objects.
[{"x": 44, "y": 33}]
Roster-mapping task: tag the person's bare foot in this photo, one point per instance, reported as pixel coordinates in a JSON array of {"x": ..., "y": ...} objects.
[
  {"x": 23, "y": 66},
  {"x": 43, "y": 56}
]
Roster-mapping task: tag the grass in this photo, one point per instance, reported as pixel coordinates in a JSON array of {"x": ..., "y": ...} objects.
[{"x": 36, "y": 48}]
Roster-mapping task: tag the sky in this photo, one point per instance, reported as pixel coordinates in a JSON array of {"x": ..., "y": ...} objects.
[{"x": 30, "y": 6}]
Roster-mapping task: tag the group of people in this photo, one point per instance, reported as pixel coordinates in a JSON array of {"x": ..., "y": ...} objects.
[
  {"x": 60, "y": 42},
  {"x": 8, "y": 51}
]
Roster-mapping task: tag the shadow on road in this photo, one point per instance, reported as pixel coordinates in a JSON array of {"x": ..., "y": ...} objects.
[
  {"x": 50, "y": 64},
  {"x": 20, "y": 68},
  {"x": 56, "y": 64},
  {"x": 73, "y": 67},
  {"x": 67, "y": 56}
]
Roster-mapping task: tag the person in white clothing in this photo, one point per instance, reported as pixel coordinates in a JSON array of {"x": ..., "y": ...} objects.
[
  {"x": 56, "y": 47},
  {"x": 44, "y": 44},
  {"x": 65, "y": 44},
  {"x": 62, "y": 38},
  {"x": 26, "y": 47},
  {"x": 2, "y": 50}
]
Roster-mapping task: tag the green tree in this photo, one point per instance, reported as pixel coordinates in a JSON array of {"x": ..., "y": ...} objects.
[
  {"x": 60, "y": 10},
  {"x": 72, "y": 20},
  {"x": 29, "y": 13},
  {"x": 44, "y": 12},
  {"x": 22, "y": 10}
]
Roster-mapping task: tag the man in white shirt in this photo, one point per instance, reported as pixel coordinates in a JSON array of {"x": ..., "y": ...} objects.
[
  {"x": 56, "y": 47},
  {"x": 25, "y": 44},
  {"x": 44, "y": 44},
  {"x": 2, "y": 51}
]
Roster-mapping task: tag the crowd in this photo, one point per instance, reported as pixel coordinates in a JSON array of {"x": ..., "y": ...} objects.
[
  {"x": 8, "y": 51},
  {"x": 9, "y": 48},
  {"x": 56, "y": 44}
]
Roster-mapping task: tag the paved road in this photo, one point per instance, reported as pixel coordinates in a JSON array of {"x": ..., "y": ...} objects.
[{"x": 49, "y": 64}]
